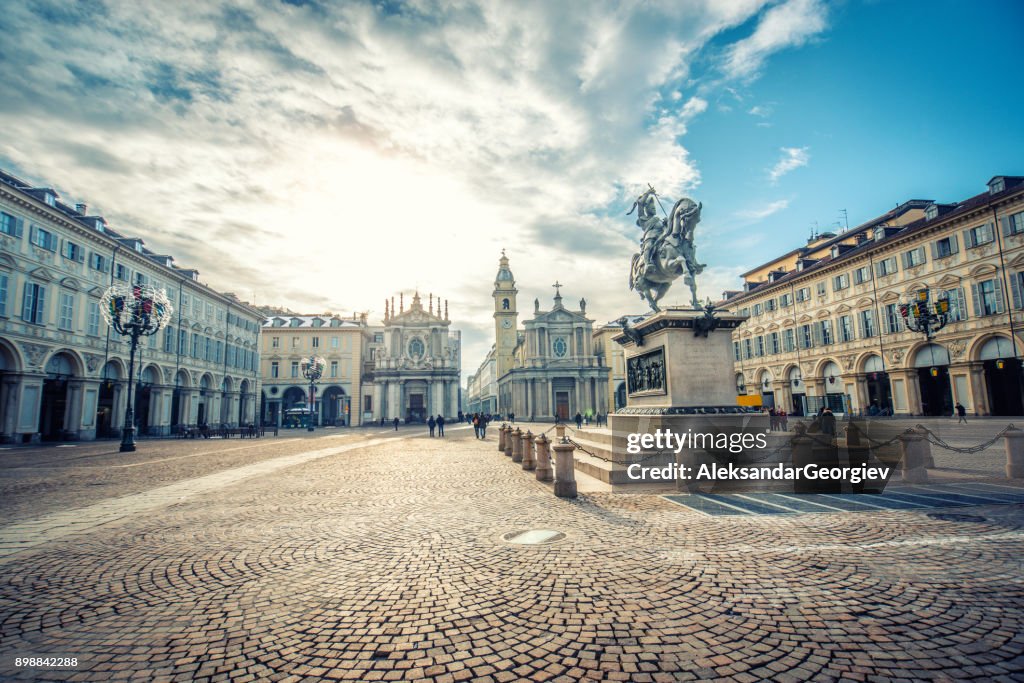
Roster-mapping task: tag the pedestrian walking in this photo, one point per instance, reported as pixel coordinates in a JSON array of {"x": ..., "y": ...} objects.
[
  {"x": 512, "y": 418},
  {"x": 431, "y": 424},
  {"x": 440, "y": 425},
  {"x": 476, "y": 425},
  {"x": 395, "y": 422},
  {"x": 961, "y": 413},
  {"x": 828, "y": 422},
  {"x": 579, "y": 420}
]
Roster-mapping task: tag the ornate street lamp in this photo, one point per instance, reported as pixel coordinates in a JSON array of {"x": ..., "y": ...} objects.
[
  {"x": 312, "y": 369},
  {"x": 925, "y": 316},
  {"x": 134, "y": 311}
]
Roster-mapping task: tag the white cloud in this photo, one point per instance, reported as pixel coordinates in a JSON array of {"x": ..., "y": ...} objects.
[
  {"x": 789, "y": 24},
  {"x": 760, "y": 110},
  {"x": 792, "y": 159},
  {"x": 367, "y": 151},
  {"x": 762, "y": 212}
]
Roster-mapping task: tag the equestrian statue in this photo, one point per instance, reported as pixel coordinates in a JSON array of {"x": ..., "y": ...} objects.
[{"x": 667, "y": 251}]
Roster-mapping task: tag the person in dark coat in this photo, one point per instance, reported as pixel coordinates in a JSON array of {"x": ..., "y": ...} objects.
[
  {"x": 579, "y": 420},
  {"x": 828, "y": 422},
  {"x": 431, "y": 423},
  {"x": 440, "y": 425},
  {"x": 961, "y": 413},
  {"x": 484, "y": 419},
  {"x": 395, "y": 422}
]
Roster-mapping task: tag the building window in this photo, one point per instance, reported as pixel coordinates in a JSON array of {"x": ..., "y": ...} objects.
[
  {"x": 334, "y": 368},
  {"x": 275, "y": 369},
  {"x": 759, "y": 346},
  {"x": 892, "y": 319},
  {"x": 824, "y": 333},
  {"x": 748, "y": 350},
  {"x": 1013, "y": 225},
  {"x": 9, "y": 225},
  {"x": 195, "y": 345},
  {"x": 803, "y": 294},
  {"x": 43, "y": 239},
  {"x": 4, "y": 283},
  {"x": 295, "y": 368},
  {"x": 788, "y": 341},
  {"x": 758, "y": 309},
  {"x": 845, "y": 328},
  {"x": 295, "y": 342},
  {"x": 334, "y": 342},
  {"x": 945, "y": 247},
  {"x": 821, "y": 288},
  {"x": 914, "y": 257},
  {"x": 72, "y": 251},
  {"x": 839, "y": 283},
  {"x": 736, "y": 350},
  {"x": 866, "y": 320},
  {"x": 99, "y": 262},
  {"x": 367, "y": 404},
  {"x": 93, "y": 328},
  {"x": 559, "y": 346},
  {"x": 988, "y": 298},
  {"x": 316, "y": 342},
  {"x": 806, "y": 337},
  {"x": 957, "y": 305},
  {"x": 121, "y": 272},
  {"x": 888, "y": 266},
  {"x": 978, "y": 235},
  {"x": 182, "y": 342},
  {"x": 773, "y": 343},
  {"x": 862, "y": 275},
  {"x": 378, "y": 338},
  {"x": 745, "y": 312},
  {"x": 769, "y": 305},
  {"x": 33, "y": 308},
  {"x": 275, "y": 342},
  {"x": 785, "y": 300},
  {"x": 504, "y": 304},
  {"x": 169, "y": 335}
]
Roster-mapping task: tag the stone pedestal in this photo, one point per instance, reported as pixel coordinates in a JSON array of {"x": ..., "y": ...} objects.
[
  {"x": 916, "y": 452},
  {"x": 1014, "y": 454},
  {"x": 543, "y": 459},
  {"x": 529, "y": 462},
  {"x": 565, "y": 470}
]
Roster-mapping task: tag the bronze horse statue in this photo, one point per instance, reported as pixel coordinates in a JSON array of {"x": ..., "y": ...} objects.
[{"x": 667, "y": 251}]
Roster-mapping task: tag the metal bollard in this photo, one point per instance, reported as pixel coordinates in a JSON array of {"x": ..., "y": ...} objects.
[
  {"x": 1014, "y": 453},
  {"x": 517, "y": 445},
  {"x": 508, "y": 441},
  {"x": 543, "y": 459},
  {"x": 916, "y": 452},
  {"x": 565, "y": 471},
  {"x": 529, "y": 461},
  {"x": 501, "y": 437}
]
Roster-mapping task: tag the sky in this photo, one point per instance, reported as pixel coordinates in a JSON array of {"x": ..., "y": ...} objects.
[{"x": 325, "y": 156}]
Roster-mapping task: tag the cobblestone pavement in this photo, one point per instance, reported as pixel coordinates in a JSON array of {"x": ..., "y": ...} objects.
[{"x": 387, "y": 562}]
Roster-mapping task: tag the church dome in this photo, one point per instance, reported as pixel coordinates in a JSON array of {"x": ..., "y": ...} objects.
[{"x": 504, "y": 274}]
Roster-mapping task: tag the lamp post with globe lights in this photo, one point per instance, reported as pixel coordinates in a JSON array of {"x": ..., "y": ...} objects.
[
  {"x": 312, "y": 369},
  {"x": 134, "y": 311},
  {"x": 925, "y": 315}
]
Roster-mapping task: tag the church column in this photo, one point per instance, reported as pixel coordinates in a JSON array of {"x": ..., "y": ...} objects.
[
  {"x": 578, "y": 408},
  {"x": 377, "y": 407}
]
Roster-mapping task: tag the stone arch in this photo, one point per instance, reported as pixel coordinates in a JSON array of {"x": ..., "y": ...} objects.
[
  {"x": 75, "y": 362},
  {"x": 982, "y": 344},
  {"x": 227, "y": 384},
  {"x": 865, "y": 358},
  {"x": 114, "y": 369},
  {"x": 10, "y": 358},
  {"x": 151, "y": 375},
  {"x": 819, "y": 368},
  {"x": 937, "y": 355},
  {"x": 183, "y": 379},
  {"x": 765, "y": 379}
]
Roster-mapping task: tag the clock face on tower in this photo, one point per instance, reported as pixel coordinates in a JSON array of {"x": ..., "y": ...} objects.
[{"x": 506, "y": 323}]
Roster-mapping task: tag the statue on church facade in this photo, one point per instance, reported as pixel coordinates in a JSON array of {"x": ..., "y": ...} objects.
[{"x": 667, "y": 249}]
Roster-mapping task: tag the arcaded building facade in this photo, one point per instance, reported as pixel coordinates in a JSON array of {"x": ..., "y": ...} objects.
[{"x": 825, "y": 327}]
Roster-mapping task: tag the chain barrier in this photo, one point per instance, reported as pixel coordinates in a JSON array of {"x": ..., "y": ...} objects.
[{"x": 935, "y": 439}]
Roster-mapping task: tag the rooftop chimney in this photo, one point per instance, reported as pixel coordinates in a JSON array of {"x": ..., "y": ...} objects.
[{"x": 81, "y": 208}]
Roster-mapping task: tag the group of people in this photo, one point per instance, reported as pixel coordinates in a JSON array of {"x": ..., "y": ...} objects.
[
  {"x": 479, "y": 422},
  {"x": 436, "y": 423},
  {"x": 778, "y": 420}
]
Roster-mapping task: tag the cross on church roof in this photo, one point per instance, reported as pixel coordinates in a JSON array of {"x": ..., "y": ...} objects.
[{"x": 557, "y": 285}]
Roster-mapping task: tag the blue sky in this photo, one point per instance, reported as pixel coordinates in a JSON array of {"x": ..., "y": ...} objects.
[{"x": 325, "y": 156}]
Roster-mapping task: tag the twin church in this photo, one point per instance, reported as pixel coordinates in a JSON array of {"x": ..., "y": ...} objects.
[{"x": 548, "y": 368}]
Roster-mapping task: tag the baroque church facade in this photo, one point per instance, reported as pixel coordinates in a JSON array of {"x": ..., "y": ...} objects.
[
  {"x": 549, "y": 368},
  {"x": 416, "y": 367}
]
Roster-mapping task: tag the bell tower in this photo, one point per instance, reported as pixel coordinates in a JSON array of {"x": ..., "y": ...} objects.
[{"x": 506, "y": 316}]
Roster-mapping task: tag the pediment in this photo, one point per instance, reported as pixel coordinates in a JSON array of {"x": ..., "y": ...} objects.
[
  {"x": 862, "y": 303},
  {"x": 951, "y": 281},
  {"x": 95, "y": 291},
  {"x": 890, "y": 297},
  {"x": 824, "y": 313},
  {"x": 70, "y": 283},
  {"x": 1018, "y": 262},
  {"x": 7, "y": 261},
  {"x": 842, "y": 308},
  {"x": 42, "y": 274},
  {"x": 982, "y": 270}
]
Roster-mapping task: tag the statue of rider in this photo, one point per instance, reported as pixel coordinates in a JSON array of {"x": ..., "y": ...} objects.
[{"x": 647, "y": 219}]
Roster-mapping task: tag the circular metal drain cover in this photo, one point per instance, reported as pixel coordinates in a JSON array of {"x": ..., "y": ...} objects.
[
  {"x": 956, "y": 517},
  {"x": 533, "y": 536}
]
